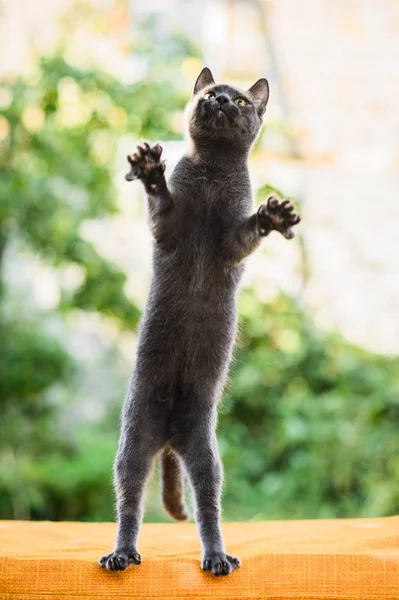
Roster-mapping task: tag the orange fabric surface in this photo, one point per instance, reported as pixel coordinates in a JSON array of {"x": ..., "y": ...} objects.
[{"x": 340, "y": 559}]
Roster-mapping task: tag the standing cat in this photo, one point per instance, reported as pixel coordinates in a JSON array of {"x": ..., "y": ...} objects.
[{"x": 203, "y": 228}]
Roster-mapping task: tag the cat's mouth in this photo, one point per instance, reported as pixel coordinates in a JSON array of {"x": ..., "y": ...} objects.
[
  {"x": 214, "y": 117},
  {"x": 224, "y": 116}
]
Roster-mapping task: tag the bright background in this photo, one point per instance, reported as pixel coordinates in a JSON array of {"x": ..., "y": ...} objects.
[{"x": 310, "y": 420}]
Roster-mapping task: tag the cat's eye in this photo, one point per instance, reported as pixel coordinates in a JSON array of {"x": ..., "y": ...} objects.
[
  {"x": 240, "y": 102},
  {"x": 208, "y": 95}
]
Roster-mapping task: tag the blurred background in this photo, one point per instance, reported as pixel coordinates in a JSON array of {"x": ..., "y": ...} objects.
[{"x": 309, "y": 426}]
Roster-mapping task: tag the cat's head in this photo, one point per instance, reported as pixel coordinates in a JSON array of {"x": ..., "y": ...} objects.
[{"x": 224, "y": 112}]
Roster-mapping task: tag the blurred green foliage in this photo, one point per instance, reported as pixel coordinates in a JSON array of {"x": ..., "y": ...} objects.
[
  {"x": 309, "y": 424},
  {"x": 60, "y": 126}
]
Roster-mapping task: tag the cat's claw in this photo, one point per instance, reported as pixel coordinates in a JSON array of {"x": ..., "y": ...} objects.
[
  {"x": 220, "y": 564},
  {"x": 145, "y": 164},
  {"x": 279, "y": 216},
  {"x": 119, "y": 560}
]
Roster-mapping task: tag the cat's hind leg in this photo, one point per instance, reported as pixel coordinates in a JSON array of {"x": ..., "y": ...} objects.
[
  {"x": 140, "y": 441},
  {"x": 199, "y": 451}
]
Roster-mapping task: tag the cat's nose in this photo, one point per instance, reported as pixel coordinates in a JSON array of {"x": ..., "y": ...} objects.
[{"x": 222, "y": 99}]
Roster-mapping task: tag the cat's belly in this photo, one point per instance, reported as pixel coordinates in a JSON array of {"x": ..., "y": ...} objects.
[{"x": 187, "y": 336}]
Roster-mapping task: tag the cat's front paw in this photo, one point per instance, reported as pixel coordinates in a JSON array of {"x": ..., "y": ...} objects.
[
  {"x": 220, "y": 563},
  {"x": 119, "y": 560},
  {"x": 279, "y": 216},
  {"x": 146, "y": 164}
]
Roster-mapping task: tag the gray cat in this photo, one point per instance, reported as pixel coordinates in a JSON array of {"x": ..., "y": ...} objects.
[{"x": 203, "y": 229}]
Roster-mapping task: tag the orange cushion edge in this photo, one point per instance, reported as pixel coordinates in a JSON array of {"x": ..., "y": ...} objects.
[{"x": 324, "y": 559}]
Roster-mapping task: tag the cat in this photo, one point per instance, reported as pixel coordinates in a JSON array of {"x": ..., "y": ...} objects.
[{"x": 203, "y": 229}]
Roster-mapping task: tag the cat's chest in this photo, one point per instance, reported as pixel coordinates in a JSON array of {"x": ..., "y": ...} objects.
[
  {"x": 212, "y": 202},
  {"x": 210, "y": 188},
  {"x": 200, "y": 236},
  {"x": 208, "y": 202}
]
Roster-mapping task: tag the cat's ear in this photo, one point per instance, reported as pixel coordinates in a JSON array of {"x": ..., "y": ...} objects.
[
  {"x": 204, "y": 78},
  {"x": 260, "y": 95}
]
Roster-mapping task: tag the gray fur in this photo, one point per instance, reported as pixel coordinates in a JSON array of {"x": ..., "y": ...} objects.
[{"x": 203, "y": 229}]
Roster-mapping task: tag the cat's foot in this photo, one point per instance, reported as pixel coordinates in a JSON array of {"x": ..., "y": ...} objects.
[
  {"x": 220, "y": 563},
  {"x": 119, "y": 560},
  {"x": 146, "y": 164},
  {"x": 279, "y": 216}
]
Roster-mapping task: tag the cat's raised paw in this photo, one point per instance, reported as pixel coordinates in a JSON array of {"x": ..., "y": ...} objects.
[
  {"x": 119, "y": 560},
  {"x": 146, "y": 164},
  {"x": 220, "y": 564},
  {"x": 279, "y": 216}
]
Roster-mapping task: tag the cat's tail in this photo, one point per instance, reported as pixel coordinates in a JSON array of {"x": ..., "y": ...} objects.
[{"x": 172, "y": 485}]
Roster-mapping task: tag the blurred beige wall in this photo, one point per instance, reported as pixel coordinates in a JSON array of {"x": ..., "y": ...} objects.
[{"x": 338, "y": 62}]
